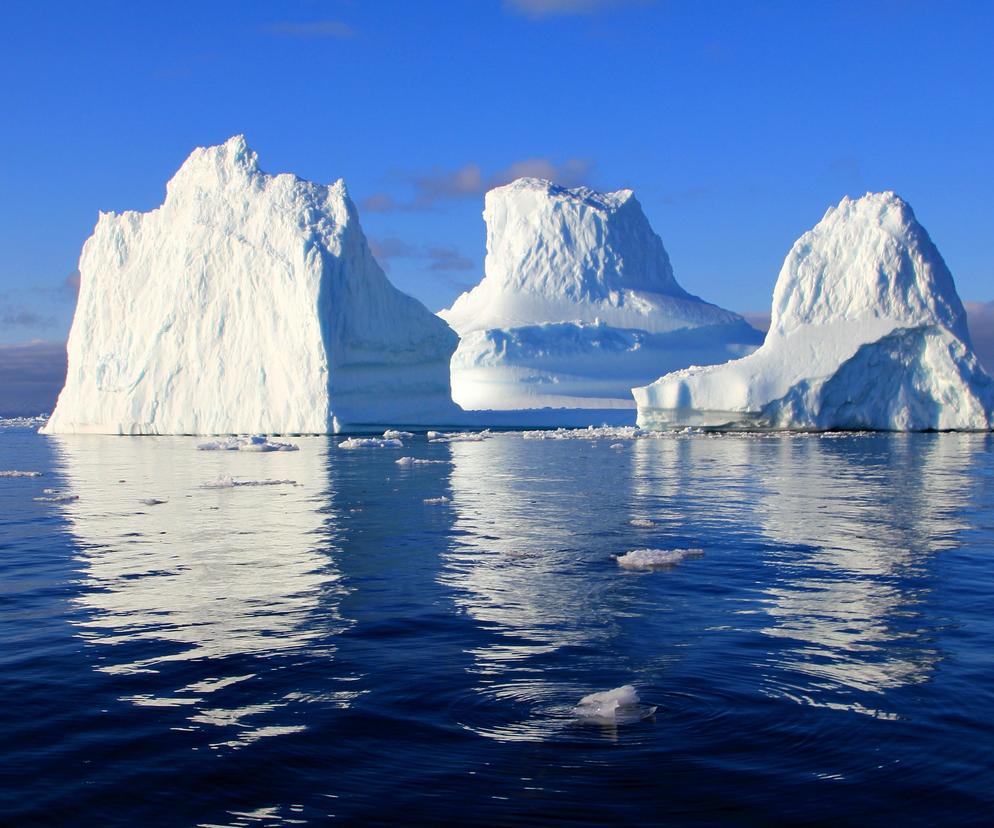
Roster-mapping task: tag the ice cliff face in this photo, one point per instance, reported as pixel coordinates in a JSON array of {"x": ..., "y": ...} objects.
[
  {"x": 247, "y": 302},
  {"x": 867, "y": 331},
  {"x": 578, "y": 302}
]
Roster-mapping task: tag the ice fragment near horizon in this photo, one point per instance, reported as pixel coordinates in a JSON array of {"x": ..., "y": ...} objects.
[{"x": 370, "y": 442}]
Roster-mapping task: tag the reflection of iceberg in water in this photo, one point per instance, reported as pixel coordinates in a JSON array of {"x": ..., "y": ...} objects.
[
  {"x": 519, "y": 569},
  {"x": 515, "y": 568},
  {"x": 225, "y": 581},
  {"x": 867, "y": 525}
]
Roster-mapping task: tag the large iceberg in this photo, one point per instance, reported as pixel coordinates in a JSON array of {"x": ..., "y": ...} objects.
[
  {"x": 867, "y": 332},
  {"x": 578, "y": 304},
  {"x": 247, "y": 302}
]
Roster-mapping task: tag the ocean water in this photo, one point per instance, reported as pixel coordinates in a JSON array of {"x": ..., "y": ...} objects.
[{"x": 337, "y": 650}]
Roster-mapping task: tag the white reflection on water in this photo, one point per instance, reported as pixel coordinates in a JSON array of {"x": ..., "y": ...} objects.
[
  {"x": 228, "y": 578},
  {"x": 868, "y": 514},
  {"x": 521, "y": 570}
]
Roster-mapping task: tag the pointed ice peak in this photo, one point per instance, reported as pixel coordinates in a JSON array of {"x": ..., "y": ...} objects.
[
  {"x": 607, "y": 202},
  {"x": 216, "y": 166},
  {"x": 234, "y": 153},
  {"x": 868, "y": 258}
]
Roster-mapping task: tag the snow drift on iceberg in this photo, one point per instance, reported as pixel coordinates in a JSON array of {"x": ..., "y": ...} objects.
[
  {"x": 578, "y": 304},
  {"x": 246, "y": 303},
  {"x": 867, "y": 332}
]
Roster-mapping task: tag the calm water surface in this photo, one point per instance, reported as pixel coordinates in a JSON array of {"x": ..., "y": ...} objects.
[{"x": 338, "y": 650}]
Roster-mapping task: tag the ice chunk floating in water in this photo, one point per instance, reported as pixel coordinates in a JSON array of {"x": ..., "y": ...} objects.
[
  {"x": 407, "y": 462},
  {"x": 226, "y": 481},
  {"x": 618, "y": 706},
  {"x": 246, "y": 303},
  {"x": 370, "y": 442},
  {"x": 867, "y": 332},
  {"x": 258, "y": 443},
  {"x": 647, "y": 559},
  {"x": 16, "y": 473}
]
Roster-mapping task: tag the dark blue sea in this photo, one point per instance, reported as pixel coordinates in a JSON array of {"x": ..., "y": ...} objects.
[{"x": 336, "y": 650}]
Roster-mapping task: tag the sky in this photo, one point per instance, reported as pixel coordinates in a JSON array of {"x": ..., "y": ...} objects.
[{"x": 736, "y": 123}]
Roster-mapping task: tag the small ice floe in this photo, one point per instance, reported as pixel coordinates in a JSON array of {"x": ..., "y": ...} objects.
[
  {"x": 618, "y": 706},
  {"x": 24, "y": 422},
  {"x": 645, "y": 559},
  {"x": 55, "y": 496},
  {"x": 617, "y": 445},
  {"x": 258, "y": 442},
  {"x": 458, "y": 436},
  {"x": 391, "y": 434},
  {"x": 642, "y": 523},
  {"x": 589, "y": 433},
  {"x": 370, "y": 442},
  {"x": 438, "y": 501},
  {"x": 226, "y": 481},
  {"x": 16, "y": 473},
  {"x": 152, "y": 501},
  {"x": 408, "y": 462}
]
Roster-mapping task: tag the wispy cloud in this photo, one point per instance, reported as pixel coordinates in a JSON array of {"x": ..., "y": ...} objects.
[
  {"x": 439, "y": 185},
  {"x": 23, "y": 318},
  {"x": 70, "y": 285},
  {"x": 448, "y": 259},
  {"x": 312, "y": 29},
  {"x": 980, "y": 317},
  {"x": 439, "y": 259},
  {"x": 384, "y": 250},
  {"x": 538, "y": 9}
]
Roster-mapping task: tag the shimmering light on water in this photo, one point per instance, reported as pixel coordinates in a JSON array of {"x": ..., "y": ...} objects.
[{"x": 337, "y": 645}]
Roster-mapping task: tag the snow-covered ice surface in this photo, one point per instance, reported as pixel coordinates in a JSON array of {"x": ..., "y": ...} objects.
[
  {"x": 578, "y": 303},
  {"x": 618, "y": 706},
  {"x": 246, "y": 303},
  {"x": 258, "y": 443},
  {"x": 647, "y": 559},
  {"x": 867, "y": 332}
]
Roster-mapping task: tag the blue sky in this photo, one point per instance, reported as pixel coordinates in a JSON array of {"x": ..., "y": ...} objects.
[{"x": 737, "y": 123}]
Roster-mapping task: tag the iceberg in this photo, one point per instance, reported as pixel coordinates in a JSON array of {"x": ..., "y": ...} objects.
[
  {"x": 577, "y": 305},
  {"x": 246, "y": 303},
  {"x": 867, "y": 332}
]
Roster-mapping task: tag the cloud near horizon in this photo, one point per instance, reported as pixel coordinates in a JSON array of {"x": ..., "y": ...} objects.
[
  {"x": 441, "y": 185},
  {"x": 311, "y": 29},
  {"x": 539, "y": 9}
]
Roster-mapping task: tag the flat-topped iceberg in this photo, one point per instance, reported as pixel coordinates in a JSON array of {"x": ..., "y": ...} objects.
[
  {"x": 578, "y": 304},
  {"x": 867, "y": 332},
  {"x": 246, "y": 303}
]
